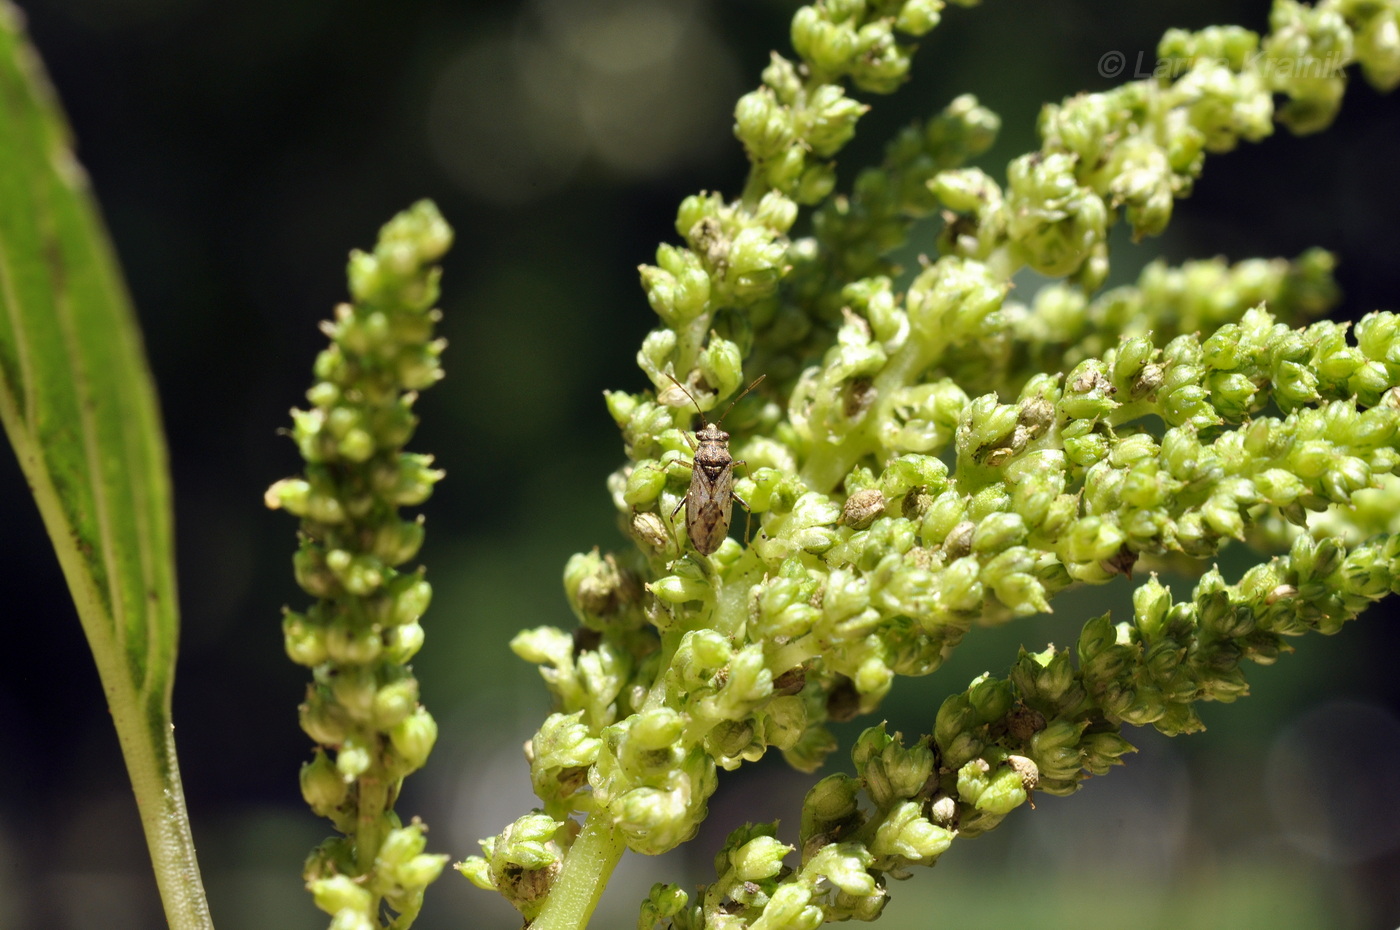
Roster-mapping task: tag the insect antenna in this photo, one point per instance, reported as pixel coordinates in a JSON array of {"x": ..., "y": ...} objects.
[
  {"x": 691, "y": 396},
  {"x": 751, "y": 386}
]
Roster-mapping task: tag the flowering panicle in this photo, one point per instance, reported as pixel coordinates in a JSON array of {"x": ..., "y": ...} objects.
[
  {"x": 927, "y": 454},
  {"x": 362, "y": 705}
]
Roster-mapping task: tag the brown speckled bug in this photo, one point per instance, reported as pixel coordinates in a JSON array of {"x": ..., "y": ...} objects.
[{"x": 709, "y": 502}]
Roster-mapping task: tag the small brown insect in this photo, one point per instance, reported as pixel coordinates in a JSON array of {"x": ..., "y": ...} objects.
[{"x": 709, "y": 503}]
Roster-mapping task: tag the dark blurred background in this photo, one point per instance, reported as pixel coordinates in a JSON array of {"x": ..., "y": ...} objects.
[{"x": 239, "y": 150}]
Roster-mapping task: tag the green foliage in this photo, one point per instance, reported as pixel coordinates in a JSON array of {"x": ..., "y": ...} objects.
[
  {"x": 362, "y": 706},
  {"x": 79, "y": 408},
  {"x": 927, "y": 454}
]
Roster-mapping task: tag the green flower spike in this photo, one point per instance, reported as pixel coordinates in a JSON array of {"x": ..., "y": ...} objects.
[
  {"x": 930, "y": 451},
  {"x": 362, "y": 706}
]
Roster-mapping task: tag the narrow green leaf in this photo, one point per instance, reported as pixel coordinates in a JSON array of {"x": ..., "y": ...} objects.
[{"x": 79, "y": 407}]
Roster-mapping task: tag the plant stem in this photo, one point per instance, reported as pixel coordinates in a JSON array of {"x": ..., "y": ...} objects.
[
  {"x": 586, "y": 871},
  {"x": 155, "y": 779},
  {"x": 369, "y": 830}
]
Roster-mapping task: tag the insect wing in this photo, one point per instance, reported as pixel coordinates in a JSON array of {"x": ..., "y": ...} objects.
[{"x": 708, "y": 507}]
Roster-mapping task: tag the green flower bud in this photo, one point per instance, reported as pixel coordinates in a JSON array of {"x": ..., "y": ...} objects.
[
  {"x": 956, "y": 719},
  {"x": 410, "y": 597},
  {"x": 695, "y": 210},
  {"x": 902, "y": 773},
  {"x": 732, "y": 743},
  {"x": 845, "y": 866},
  {"x": 776, "y": 212},
  {"x": 400, "y": 846},
  {"x": 722, "y": 366},
  {"x": 291, "y": 494},
  {"x": 352, "y": 646},
  {"x": 788, "y": 908},
  {"x": 411, "y": 483},
  {"x": 879, "y": 63},
  {"x": 829, "y": 802},
  {"x": 654, "y": 356},
  {"x": 351, "y": 920},
  {"x": 951, "y": 300},
  {"x": 829, "y": 120},
  {"x": 354, "y": 689},
  {"x": 755, "y": 264},
  {"x": 654, "y": 820},
  {"x": 785, "y": 170},
  {"x": 964, "y": 130},
  {"x": 783, "y": 610},
  {"x": 750, "y": 682},
  {"x": 762, "y": 124},
  {"x": 947, "y": 512},
  {"x": 785, "y": 719},
  {"x": 413, "y": 738},
  {"x": 322, "y": 786},
  {"x": 323, "y": 720},
  {"x": 478, "y": 871},
  {"x": 527, "y": 843},
  {"x": 1144, "y": 185},
  {"x": 304, "y": 640},
  {"x": 1151, "y": 602},
  {"x": 990, "y": 698},
  {"x": 1056, "y": 750},
  {"x": 758, "y": 859},
  {"x": 826, "y": 46},
  {"x": 873, "y": 677},
  {"x": 913, "y": 471},
  {"x": 660, "y": 287},
  {"x": 402, "y": 643},
  {"x": 966, "y": 190},
  {"x": 621, "y": 406},
  {"x": 997, "y": 532},
  {"x": 973, "y": 779},
  {"x": 906, "y": 834},
  {"x": 1054, "y": 220},
  {"x": 1004, "y": 791},
  {"x": 656, "y": 729},
  {"x": 663, "y": 903},
  {"x": 420, "y": 871},
  {"x": 312, "y": 574},
  {"x": 394, "y": 702},
  {"x": 1378, "y": 49},
  {"x": 353, "y": 760},
  {"x": 1103, "y": 751},
  {"x": 563, "y": 742},
  {"x": 1042, "y": 676},
  {"x": 598, "y": 589},
  {"x": 704, "y": 651},
  {"x": 338, "y": 893},
  {"x": 677, "y": 589},
  {"x": 958, "y": 587},
  {"x": 1092, "y": 539},
  {"x": 917, "y": 17}
]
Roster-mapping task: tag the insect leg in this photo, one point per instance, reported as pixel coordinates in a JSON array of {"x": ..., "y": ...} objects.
[
  {"x": 748, "y": 512},
  {"x": 686, "y": 496}
]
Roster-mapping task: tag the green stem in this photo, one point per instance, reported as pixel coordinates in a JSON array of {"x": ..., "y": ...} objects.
[
  {"x": 374, "y": 799},
  {"x": 155, "y": 780},
  {"x": 580, "y": 884}
]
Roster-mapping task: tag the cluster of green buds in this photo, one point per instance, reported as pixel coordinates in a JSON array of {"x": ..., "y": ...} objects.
[
  {"x": 926, "y": 455},
  {"x": 362, "y": 706}
]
